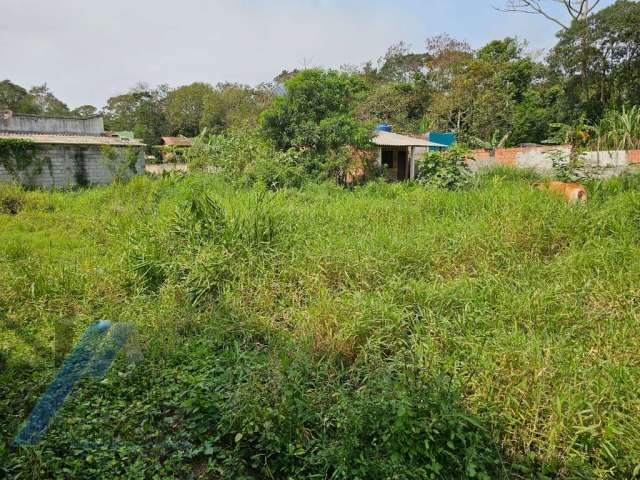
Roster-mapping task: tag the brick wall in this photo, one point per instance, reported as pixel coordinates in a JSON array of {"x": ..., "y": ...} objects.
[
  {"x": 509, "y": 156},
  {"x": 64, "y": 166},
  {"x": 633, "y": 156},
  {"x": 481, "y": 154},
  {"x": 605, "y": 163}
]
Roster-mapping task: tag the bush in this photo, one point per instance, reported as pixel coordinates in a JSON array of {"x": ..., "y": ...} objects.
[
  {"x": 570, "y": 167},
  {"x": 280, "y": 170},
  {"x": 300, "y": 421},
  {"x": 446, "y": 169},
  {"x": 229, "y": 154},
  {"x": 316, "y": 112},
  {"x": 12, "y": 199},
  {"x": 244, "y": 157}
]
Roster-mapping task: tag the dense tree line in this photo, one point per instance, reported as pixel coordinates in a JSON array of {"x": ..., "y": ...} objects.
[{"x": 501, "y": 93}]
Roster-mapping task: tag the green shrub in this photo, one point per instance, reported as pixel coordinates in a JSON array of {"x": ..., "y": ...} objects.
[
  {"x": 316, "y": 113},
  {"x": 17, "y": 155},
  {"x": 245, "y": 158},
  {"x": 229, "y": 154},
  {"x": 446, "y": 169},
  {"x": 279, "y": 170},
  {"x": 120, "y": 161},
  {"x": 12, "y": 199}
]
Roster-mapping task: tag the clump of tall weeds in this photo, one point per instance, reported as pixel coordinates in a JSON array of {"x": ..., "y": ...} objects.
[{"x": 203, "y": 245}]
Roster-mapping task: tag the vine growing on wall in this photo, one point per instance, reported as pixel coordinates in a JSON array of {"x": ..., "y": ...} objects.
[
  {"x": 17, "y": 155},
  {"x": 120, "y": 161}
]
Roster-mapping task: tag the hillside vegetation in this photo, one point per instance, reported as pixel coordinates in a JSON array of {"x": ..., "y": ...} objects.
[{"x": 388, "y": 331}]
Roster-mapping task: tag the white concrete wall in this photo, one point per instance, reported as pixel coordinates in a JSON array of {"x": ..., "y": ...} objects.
[
  {"x": 65, "y": 166},
  {"x": 539, "y": 161},
  {"x": 599, "y": 164}
]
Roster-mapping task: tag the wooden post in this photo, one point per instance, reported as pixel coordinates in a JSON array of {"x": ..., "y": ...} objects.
[{"x": 412, "y": 163}]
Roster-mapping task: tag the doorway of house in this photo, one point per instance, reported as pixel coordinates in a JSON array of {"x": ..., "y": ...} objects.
[{"x": 402, "y": 165}]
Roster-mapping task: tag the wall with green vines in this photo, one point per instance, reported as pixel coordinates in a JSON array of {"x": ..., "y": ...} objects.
[
  {"x": 17, "y": 155},
  {"x": 21, "y": 160},
  {"x": 69, "y": 165}
]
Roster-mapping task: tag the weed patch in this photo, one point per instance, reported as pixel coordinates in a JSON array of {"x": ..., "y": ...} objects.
[{"x": 387, "y": 330}]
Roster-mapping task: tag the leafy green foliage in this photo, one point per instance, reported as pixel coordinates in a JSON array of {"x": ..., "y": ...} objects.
[
  {"x": 16, "y": 98},
  {"x": 231, "y": 153},
  {"x": 84, "y": 111},
  {"x": 401, "y": 104},
  {"x": 234, "y": 106},
  {"x": 618, "y": 130},
  {"x": 244, "y": 157},
  {"x": 47, "y": 102},
  {"x": 12, "y": 199},
  {"x": 446, "y": 169},
  {"x": 308, "y": 333},
  {"x": 401, "y": 65},
  {"x": 37, "y": 100},
  {"x": 120, "y": 161},
  {"x": 140, "y": 110},
  {"x": 185, "y": 107},
  {"x": 316, "y": 113},
  {"x": 19, "y": 158},
  {"x": 17, "y": 155},
  {"x": 598, "y": 61}
]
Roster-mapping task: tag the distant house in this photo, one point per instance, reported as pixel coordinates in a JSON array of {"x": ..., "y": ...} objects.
[
  {"x": 67, "y": 151},
  {"x": 172, "y": 148},
  {"x": 177, "y": 141},
  {"x": 125, "y": 135},
  {"x": 398, "y": 154}
]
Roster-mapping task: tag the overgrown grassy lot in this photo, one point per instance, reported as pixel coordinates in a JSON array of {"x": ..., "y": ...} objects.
[{"x": 384, "y": 332}]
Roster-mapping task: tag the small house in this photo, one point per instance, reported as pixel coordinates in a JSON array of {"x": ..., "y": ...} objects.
[
  {"x": 173, "y": 147},
  {"x": 398, "y": 154},
  {"x": 62, "y": 152}
]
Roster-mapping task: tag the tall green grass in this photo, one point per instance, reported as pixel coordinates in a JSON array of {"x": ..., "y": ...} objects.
[
  {"x": 619, "y": 130},
  {"x": 383, "y": 332}
]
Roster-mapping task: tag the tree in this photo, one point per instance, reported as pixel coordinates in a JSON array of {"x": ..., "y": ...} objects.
[
  {"x": 495, "y": 93},
  {"x": 185, "y": 107},
  {"x": 474, "y": 104},
  {"x": 84, "y": 111},
  {"x": 604, "y": 73},
  {"x": 17, "y": 99},
  {"x": 316, "y": 112},
  {"x": 47, "y": 102},
  {"x": 446, "y": 57},
  {"x": 400, "y": 64},
  {"x": 141, "y": 110},
  {"x": 401, "y": 104},
  {"x": 576, "y": 9},
  {"x": 533, "y": 116},
  {"x": 468, "y": 97},
  {"x": 232, "y": 105}
]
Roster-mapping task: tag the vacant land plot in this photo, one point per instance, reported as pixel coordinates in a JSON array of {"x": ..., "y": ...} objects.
[{"x": 384, "y": 332}]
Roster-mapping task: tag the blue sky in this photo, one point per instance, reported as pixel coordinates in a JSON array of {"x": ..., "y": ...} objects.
[{"x": 88, "y": 50}]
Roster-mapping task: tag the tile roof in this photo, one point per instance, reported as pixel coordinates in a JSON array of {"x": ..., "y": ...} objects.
[{"x": 61, "y": 139}]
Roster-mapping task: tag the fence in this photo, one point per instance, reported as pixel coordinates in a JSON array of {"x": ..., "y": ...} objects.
[{"x": 541, "y": 158}]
